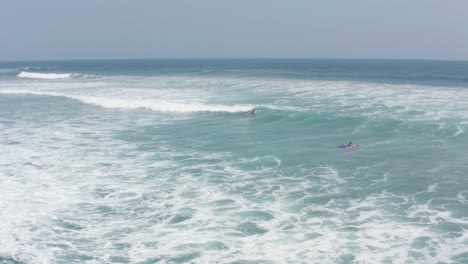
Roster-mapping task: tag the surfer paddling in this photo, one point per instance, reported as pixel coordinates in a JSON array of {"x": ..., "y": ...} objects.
[
  {"x": 349, "y": 145},
  {"x": 253, "y": 112}
]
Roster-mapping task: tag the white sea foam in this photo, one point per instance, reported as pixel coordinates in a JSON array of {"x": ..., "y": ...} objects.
[
  {"x": 156, "y": 105},
  {"x": 47, "y": 76},
  {"x": 100, "y": 185},
  {"x": 373, "y": 100},
  {"x": 101, "y": 201},
  {"x": 460, "y": 131},
  {"x": 161, "y": 106},
  {"x": 51, "y": 76}
]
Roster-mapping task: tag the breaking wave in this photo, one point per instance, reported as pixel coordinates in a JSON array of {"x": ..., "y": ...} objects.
[
  {"x": 161, "y": 106},
  {"x": 51, "y": 76},
  {"x": 155, "y": 105}
]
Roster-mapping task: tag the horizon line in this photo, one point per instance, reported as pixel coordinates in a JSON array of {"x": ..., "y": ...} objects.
[{"x": 231, "y": 58}]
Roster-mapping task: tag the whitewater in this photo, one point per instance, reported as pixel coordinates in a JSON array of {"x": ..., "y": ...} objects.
[{"x": 159, "y": 161}]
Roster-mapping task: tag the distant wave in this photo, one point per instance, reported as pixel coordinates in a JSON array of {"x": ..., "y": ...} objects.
[{"x": 51, "y": 76}]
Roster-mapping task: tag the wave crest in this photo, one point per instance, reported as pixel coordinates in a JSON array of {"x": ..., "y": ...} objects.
[
  {"x": 155, "y": 105},
  {"x": 160, "y": 106},
  {"x": 50, "y": 76}
]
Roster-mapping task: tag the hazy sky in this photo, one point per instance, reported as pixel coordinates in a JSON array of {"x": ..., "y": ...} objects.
[{"x": 87, "y": 29}]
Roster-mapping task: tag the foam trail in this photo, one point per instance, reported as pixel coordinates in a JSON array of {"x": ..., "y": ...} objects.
[{"x": 459, "y": 131}]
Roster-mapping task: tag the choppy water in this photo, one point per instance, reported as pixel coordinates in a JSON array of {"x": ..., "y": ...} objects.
[{"x": 158, "y": 162}]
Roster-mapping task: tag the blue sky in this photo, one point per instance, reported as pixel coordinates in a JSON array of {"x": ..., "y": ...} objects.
[{"x": 107, "y": 29}]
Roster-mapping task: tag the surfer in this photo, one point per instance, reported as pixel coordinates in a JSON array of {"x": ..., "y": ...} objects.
[
  {"x": 349, "y": 145},
  {"x": 253, "y": 111}
]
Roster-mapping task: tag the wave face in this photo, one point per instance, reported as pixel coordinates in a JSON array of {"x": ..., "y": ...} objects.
[{"x": 161, "y": 161}]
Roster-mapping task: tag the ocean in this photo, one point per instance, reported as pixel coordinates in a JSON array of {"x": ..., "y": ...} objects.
[{"x": 159, "y": 161}]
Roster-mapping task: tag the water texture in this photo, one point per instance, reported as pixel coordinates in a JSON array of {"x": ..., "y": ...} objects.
[{"x": 158, "y": 161}]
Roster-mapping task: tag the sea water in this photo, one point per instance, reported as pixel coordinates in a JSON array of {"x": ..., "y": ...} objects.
[{"x": 158, "y": 161}]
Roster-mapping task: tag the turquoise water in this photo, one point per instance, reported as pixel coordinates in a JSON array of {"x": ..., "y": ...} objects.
[{"x": 157, "y": 161}]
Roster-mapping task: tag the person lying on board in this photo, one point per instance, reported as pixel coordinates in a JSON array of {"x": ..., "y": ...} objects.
[{"x": 349, "y": 145}]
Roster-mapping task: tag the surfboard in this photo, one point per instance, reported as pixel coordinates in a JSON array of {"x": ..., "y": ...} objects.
[{"x": 352, "y": 146}]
